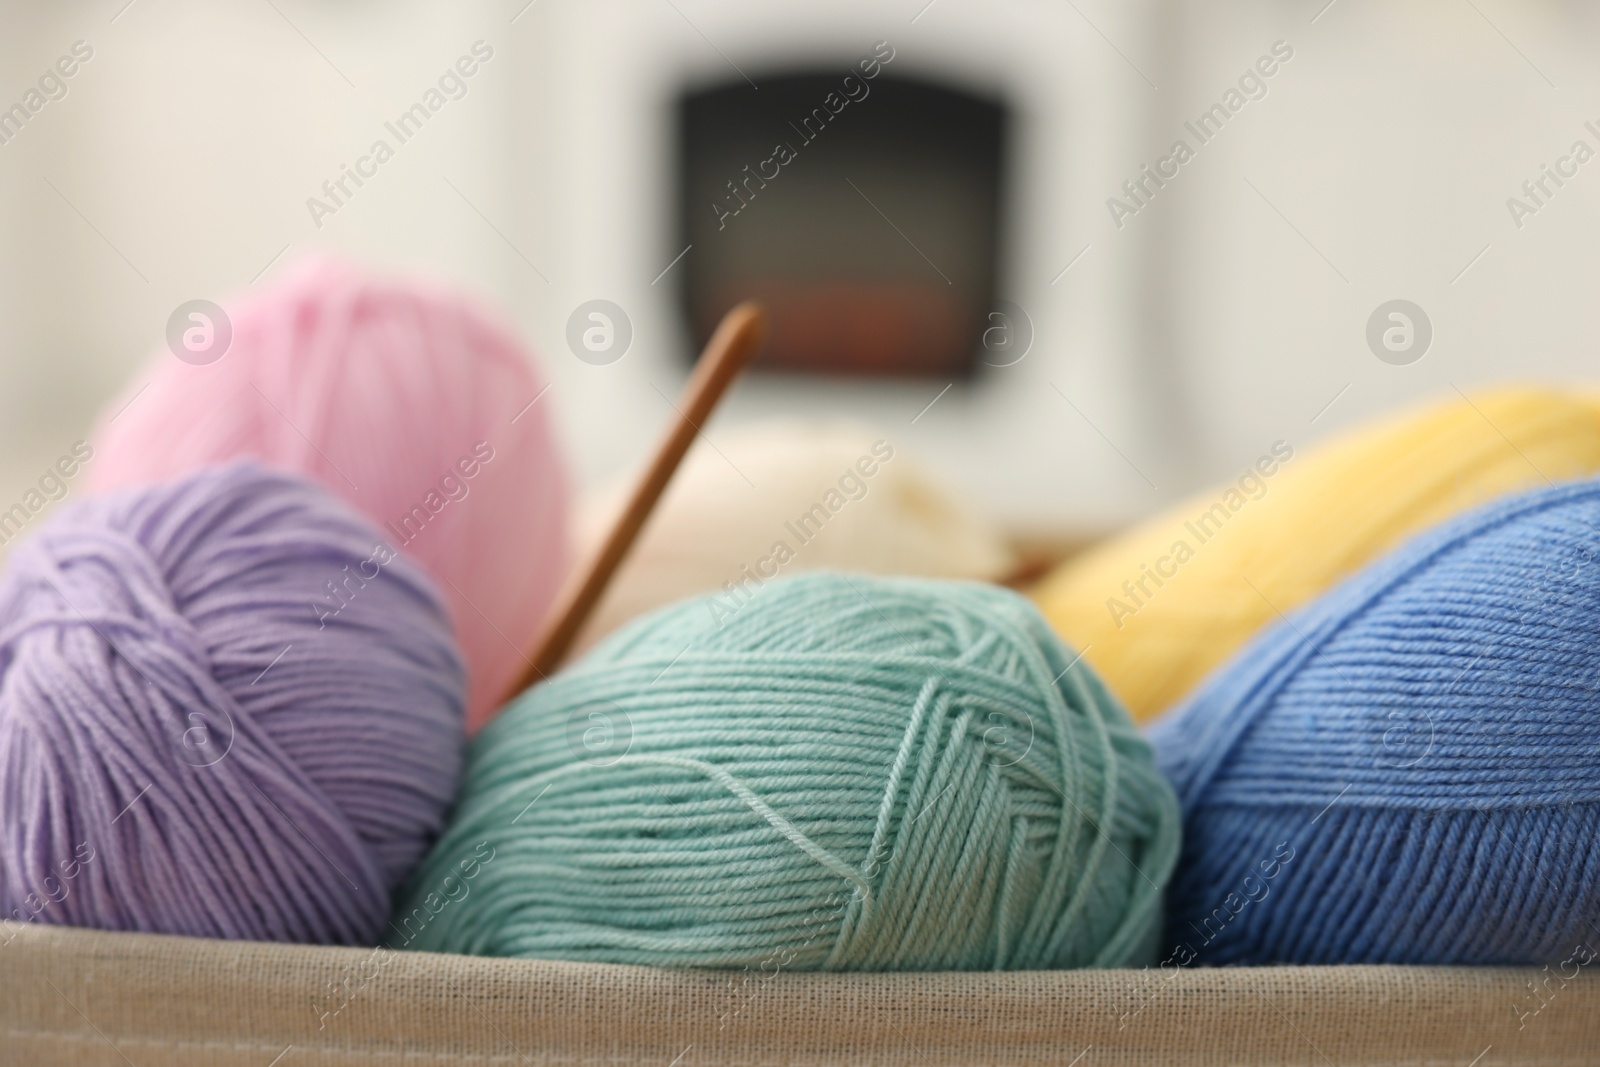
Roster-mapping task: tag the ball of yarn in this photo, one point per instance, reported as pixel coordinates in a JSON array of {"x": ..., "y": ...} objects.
[
  {"x": 1408, "y": 770},
  {"x": 1157, "y": 609},
  {"x": 835, "y": 495},
  {"x": 405, "y": 400},
  {"x": 194, "y": 740},
  {"x": 850, "y": 774}
]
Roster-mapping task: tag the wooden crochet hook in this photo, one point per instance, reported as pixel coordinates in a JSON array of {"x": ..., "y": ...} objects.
[{"x": 737, "y": 338}]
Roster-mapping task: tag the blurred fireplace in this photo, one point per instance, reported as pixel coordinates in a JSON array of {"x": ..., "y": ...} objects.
[{"x": 864, "y": 213}]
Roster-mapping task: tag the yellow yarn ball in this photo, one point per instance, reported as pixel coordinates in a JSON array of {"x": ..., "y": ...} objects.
[{"x": 1154, "y": 619}]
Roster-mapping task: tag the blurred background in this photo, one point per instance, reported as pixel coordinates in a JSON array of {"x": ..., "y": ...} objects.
[{"x": 950, "y": 250}]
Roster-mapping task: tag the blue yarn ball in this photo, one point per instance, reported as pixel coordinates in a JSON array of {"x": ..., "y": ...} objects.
[
  {"x": 1407, "y": 770},
  {"x": 837, "y": 773}
]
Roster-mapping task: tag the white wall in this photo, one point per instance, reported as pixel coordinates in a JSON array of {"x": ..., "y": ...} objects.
[
  {"x": 1187, "y": 340},
  {"x": 1391, "y": 143},
  {"x": 191, "y": 141}
]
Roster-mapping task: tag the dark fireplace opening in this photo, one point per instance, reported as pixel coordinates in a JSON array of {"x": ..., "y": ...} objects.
[{"x": 863, "y": 212}]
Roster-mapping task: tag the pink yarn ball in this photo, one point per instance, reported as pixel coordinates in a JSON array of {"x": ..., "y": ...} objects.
[{"x": 406, "y": 400}]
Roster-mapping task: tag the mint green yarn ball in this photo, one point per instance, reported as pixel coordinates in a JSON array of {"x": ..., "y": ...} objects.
[{"x": 831, "y": 773}]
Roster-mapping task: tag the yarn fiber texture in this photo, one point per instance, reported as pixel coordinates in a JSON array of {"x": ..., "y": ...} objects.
[
  {"x": 1284, "y": 538},
  {"x": 1407, "y": 770},
  {"x": 404, "y": 399},
  {"x": 188, "y": 747},
  {"x": 851, "y": 774},
  {"x": 835, "y": 494}
]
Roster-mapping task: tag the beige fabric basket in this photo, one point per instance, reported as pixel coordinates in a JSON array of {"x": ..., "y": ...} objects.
[{"x": 86, "y": 997}]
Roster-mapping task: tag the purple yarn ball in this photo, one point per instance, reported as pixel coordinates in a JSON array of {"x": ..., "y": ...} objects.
[{"x": 226, "y": 710}]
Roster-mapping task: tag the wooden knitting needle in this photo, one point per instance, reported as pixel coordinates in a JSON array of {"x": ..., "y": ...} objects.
[{"x": 738, "y": 337}]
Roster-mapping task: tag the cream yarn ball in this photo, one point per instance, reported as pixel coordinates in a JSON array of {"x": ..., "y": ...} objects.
[{"x": 781, "y": 498}]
